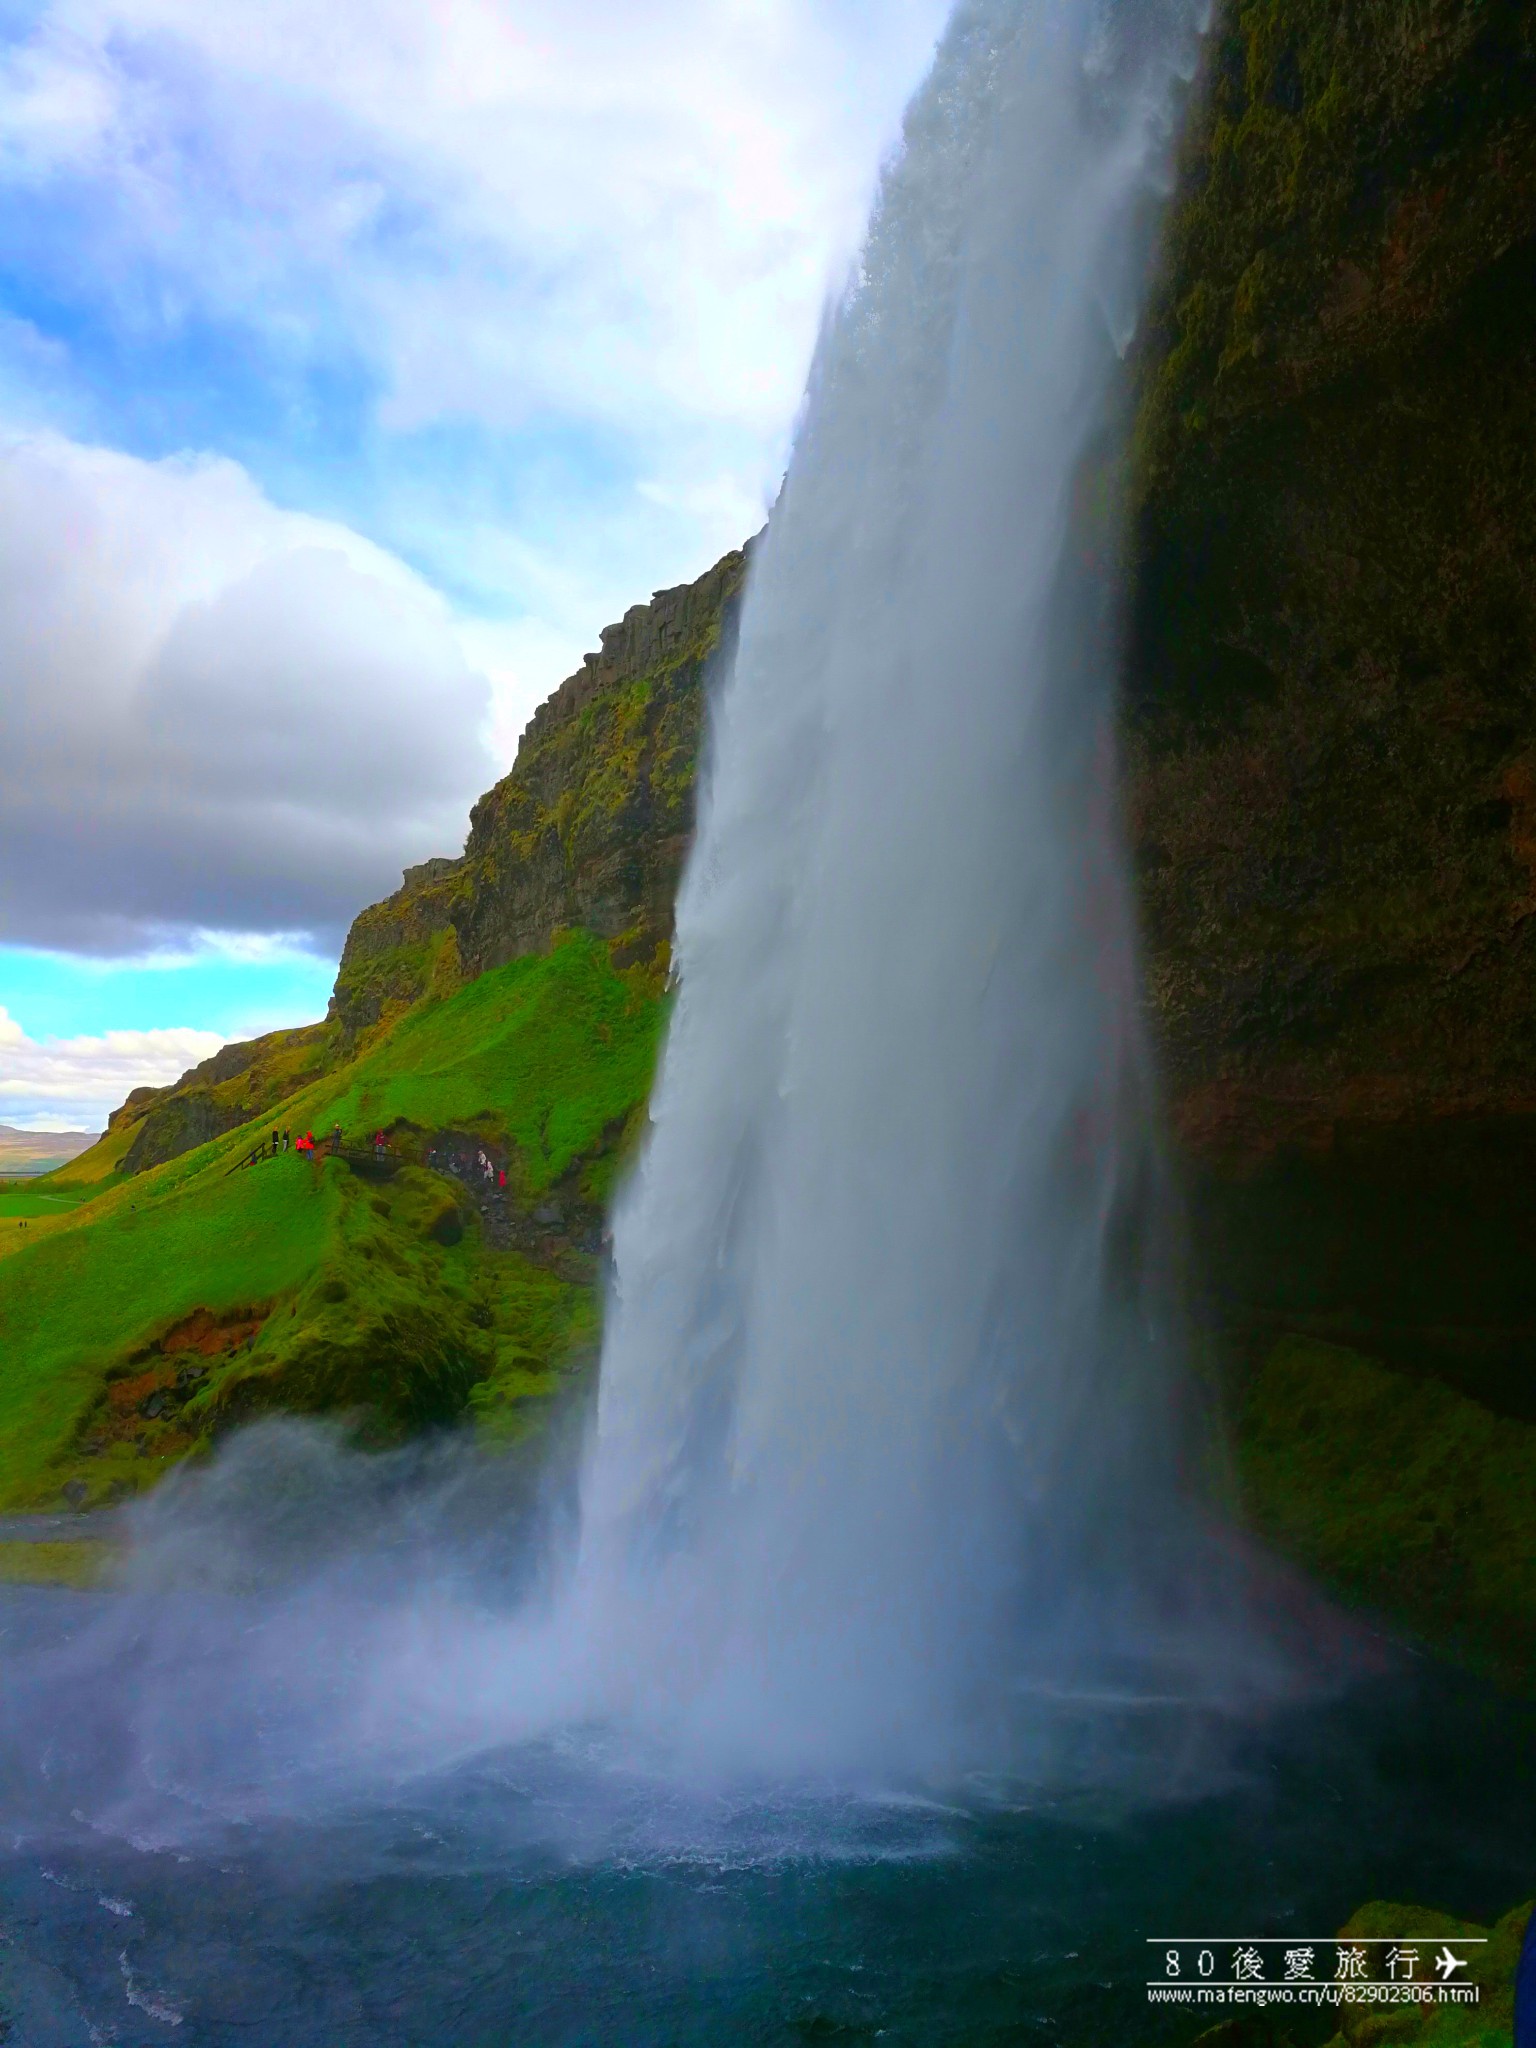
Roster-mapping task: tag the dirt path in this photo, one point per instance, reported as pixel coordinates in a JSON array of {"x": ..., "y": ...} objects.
[{"x": 101, "y": 1527}]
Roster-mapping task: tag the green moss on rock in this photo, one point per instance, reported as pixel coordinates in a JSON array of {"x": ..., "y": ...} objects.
[
  {"x": 1330, "y": 736},
  {"x": 1490, "y": 2023},
  {"x": 1414, "y": 1500},
  {"x": 401, "y": 949},
  {"x": 591, "y": 826},
  {"x": 1491, "y": 1966}
]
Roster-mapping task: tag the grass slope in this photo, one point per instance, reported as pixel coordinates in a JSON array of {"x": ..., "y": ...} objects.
[
  {"x": 20, "y": 1199},
  {"x": 161, "y": 1309},
  {"x": 547, "y": 1053},
  {"x": 76, "y": 1303},
  {"x": 101, "y": 1164}
]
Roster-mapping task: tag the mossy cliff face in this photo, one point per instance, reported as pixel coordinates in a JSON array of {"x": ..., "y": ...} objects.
[
  {"x": 1331, "y": 721},
  {"x": 398, "y": 948},
  {"x": 591, "y": 826},
  {"x": 588, "y": 831},
  {"x": 1407, "y": 1497}
]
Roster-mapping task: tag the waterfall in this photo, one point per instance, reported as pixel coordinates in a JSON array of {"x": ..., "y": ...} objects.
[
  {"x": 893, "y": 1428},
  {"x": 898, "y": 1474}
]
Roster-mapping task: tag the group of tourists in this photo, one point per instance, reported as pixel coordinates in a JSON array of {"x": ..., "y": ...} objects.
[
  {"x": 490, "y": 1172},
  {"x": 309, "y": 1145}
]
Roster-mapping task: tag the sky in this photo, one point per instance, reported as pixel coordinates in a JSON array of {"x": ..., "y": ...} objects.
[{"x": 359, "y": 361}]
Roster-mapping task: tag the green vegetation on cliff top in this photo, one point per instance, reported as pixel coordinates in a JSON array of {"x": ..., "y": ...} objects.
[{"x": 169, "y": 1305}]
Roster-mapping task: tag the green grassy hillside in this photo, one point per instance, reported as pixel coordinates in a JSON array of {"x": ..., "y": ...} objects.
[
  {"x": 547, "y": 1052},
  {"x": 162, "y": 1308}
]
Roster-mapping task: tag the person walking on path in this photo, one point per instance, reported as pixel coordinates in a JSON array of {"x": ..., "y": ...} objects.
[{"x": 335, "y": 1139}]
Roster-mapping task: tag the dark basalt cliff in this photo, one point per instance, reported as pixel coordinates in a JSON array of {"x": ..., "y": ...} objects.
[{"x": 1332, "y": 687}]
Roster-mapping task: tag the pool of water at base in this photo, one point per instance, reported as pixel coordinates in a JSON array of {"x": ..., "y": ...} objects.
[{"x": 541, "y": 1899}]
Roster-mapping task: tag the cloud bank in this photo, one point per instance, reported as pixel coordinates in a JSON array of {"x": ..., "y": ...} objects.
[
  {"x": 519, "y": 293},
  {"x": 75, "y": 1083},
  {"x": 217, "y": 715},
  {"x": 601, "y": 207}
]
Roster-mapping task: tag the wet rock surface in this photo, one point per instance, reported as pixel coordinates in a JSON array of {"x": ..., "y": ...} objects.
[
  {"x": 554, "y": 1232},
  {"x": 1331, "y": 716}
]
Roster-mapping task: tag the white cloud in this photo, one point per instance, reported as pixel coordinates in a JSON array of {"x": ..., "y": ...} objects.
[
  {"x": 217, "y": 715},
  {"x": 616, "y": 219},
  {"x": 592, "y": 236},
  {"x": 75, "y": 1083},
  {"x": 519, "y": 203}
]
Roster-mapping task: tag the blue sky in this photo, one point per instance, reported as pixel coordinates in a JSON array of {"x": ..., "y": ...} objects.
[{"x": 358, "y": 363}]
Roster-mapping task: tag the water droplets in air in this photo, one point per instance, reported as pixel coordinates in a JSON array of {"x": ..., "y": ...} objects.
[{"x": 893, "y": 1432}]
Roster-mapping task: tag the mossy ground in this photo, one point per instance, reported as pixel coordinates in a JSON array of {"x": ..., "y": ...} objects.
[
  {"x": 1402, "y": 1494},
  {"x": 138, "y": 1323},
  {"x": 1488, "y": 2024},
  {"x": 1492, "y": 1954}
]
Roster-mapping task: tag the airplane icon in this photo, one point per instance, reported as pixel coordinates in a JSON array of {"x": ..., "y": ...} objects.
[{"x": 1445, "y": 1963}]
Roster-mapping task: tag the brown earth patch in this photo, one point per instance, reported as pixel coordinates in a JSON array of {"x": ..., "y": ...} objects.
[
  {"x": 141, "y": 1405},
  {"x": 210, "y": 1338},
  {"x": 205, "y": 1335}
]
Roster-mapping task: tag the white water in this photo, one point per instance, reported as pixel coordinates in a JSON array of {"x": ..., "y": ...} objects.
[
  {"x": 897, "y": 1468},
  {"x": 892, "y": 1423}
]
